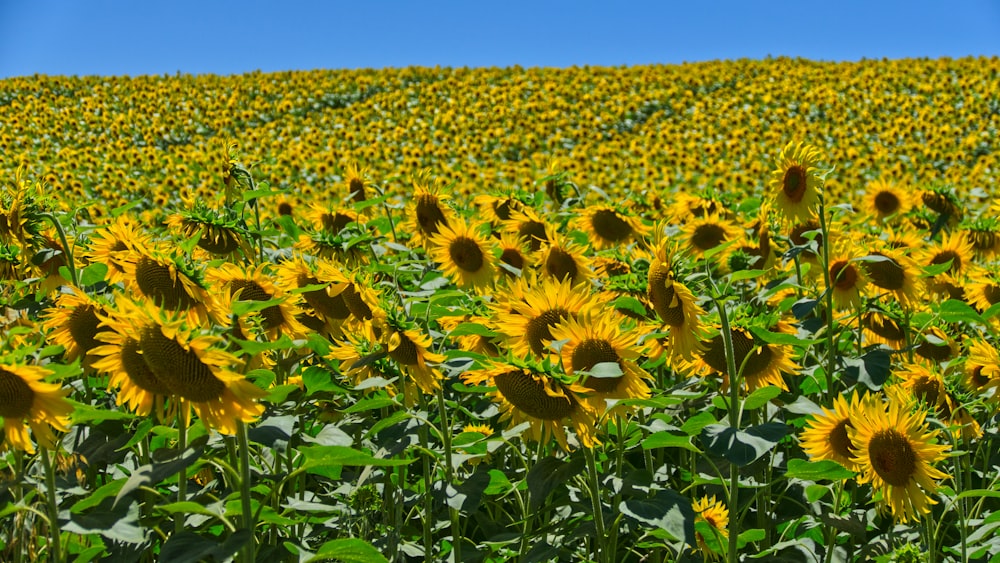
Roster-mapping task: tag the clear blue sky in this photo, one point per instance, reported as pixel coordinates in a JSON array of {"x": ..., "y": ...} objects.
[{"x": 114, "y": 37}]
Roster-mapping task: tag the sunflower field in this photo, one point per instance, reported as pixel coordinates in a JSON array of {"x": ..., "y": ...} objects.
[{"x": 742, "y": 310}]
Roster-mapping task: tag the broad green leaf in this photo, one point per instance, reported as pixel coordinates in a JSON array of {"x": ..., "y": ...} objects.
[
  {"x": 665, "y": 510},
  {"x": 816, "y": 470},
  {"x": 348, "y": 550},
  {"x": 319, "y": 456},
  {"x": 743, "y": 447},
  {"x": 760, "y": 397},
  {"x": 664, "y": 439}
]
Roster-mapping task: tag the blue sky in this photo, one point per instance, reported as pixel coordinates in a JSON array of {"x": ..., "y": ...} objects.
[{"x": 115, "y": 37}]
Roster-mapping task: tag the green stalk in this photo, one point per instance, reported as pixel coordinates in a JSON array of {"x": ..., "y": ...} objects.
[
  {"x": 55, "y": 551},
  {"x": 70, "y": 264},
  {"x": 182, "y": 476},
  {"x": 595, "y": 501},
  {"x": 249, "y": 551},
  {"x": 449, "y": 472},
  {"x": 428, "y": 483},
  {"x": 831, "y": 356},
  {"x": 734, "y": 423}
]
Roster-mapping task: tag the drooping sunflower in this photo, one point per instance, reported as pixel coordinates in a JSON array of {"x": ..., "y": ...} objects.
[
  {"x": 74, "y": 323},
  {"x": 943, "y": 201},
  {"x": 529, "y": 394},
  {"x": 563, "y": 259},
  {"x": 498, "y": 208},
  {"x": 333, "y": 221},
  {"x": 984, "y": 236},
  {"x": 25, "y": 397},
  {"x": 171, "y": 284},
  {"x": 762, "y": 363},
  {"x": 608, "y": 227},
  {"x": 676, "y": 306},
  {"x": 113, "y": 246},
  {"x": 120, "y": 357},
  {"x": 826, "y": 435},
  {"x": 217, "y": 234},
  {"x": 923, "y": 387},
  {"x": 893, "y": 272},
  {"x": 193, "y": 365},
  {"x": 895, "y": 452},
  {"x": 427, "y": 211},
  {"x": 341, "y": 247},
  {"x": 464, "y": 254},
  {"x": 936, "y": 345},
  {"x": 530, "y": 310},
  {"x": 591, "y": 339},
  {"x": 361, "y": 358},
  {"x": 714, "y": 514},
  {"x": 882, "y": 328},
  {"x": 795, "y": 182},
  {"x": 243, "y": 283},
  {"x": 886, "y": 199},
  {"x": 321, "y": 284},
  {"x": 411, "y": 349}
]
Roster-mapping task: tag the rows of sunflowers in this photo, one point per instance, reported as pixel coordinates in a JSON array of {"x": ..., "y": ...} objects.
[{"x": 718, "y": 311}]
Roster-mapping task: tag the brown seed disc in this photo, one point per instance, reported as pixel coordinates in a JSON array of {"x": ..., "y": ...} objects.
[
  {"x": 529, "y": 396},
  {"x": 610, "y": 226},
  {"x": 886, "y": 274},
  {"x": 512, "y": 257},
  {"x": 356, "y": 303},
  {"x": 181, "y": 370},
  {"x": 466, "y": 254},
  {"x": 138, "y": 371},
  {"x": 154, "y": 281},
  {"x": 406, "y": 353},
  {"x": 84, "y": 326},
  {"x": 561, "y": 265},
  {"x": 844, "y": 274},
  {"x": 588, "y": 354},
  {"x": 357, "y": 189},
  {"x": 840, "y": 442},
  {"x": 429, "y": 214},
  {"x": 794, "y": 183},
  {"x": 534, "y": 232},
  {"x": 16, "y": 396},
  {"x": 887, "y": 203},
  {"x": 892, "y": 457},
  {"x": 708, "y": 236},
  {"x": 539, "y": 329}
]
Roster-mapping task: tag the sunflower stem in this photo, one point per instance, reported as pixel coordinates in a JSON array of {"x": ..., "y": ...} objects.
[
  {"x": 595, "y": 502},
  {"x": 243, "y": 444},
  {"x": 831, "y": 340},
  {"x": 428, "y": 482},
  {"x": 182, "y": 476},
  {"x": 734, "y": 423},
  {"x": 67, "y": 251},
  {"x": 449, "y": 471},
  {"x": 55, "y": 551}
]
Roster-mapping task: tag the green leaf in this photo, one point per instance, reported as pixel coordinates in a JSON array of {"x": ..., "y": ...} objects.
[
  {"x": 604, "y": 370},
  {"x": 549, "y": 473},
  {"x": 760, "y": 397},
  {"x": 817, "y": 470},
  {"x": 664, "y": 439},
  {"x": 499, "y": 483},
  {"x": 348, "y": 550},
  {"x": 95, "y": 498},
  {"x": 160, "y": 469},
  {"x": 665, "y": 510},
  {"x": 932, "y": 270},
  {"x": 955, "y": 311},
  {"x": 872, "y": 369},
  {"x": 780, "y": 338},
  {"x": 465, "y": 329},
  {"x": 630, "y": 304},
  {"x": 321, "y": 456},
  {"x": 816, "y": 492},
  {"x": 90, "y": 414},
  {"x": 188, "y": 547},
  {"x": 978, "y": 493},
  {"x": 750, "y": 536},
  {"x": 93, "y": 274},
  {"x": 743, "y": 447},
  {"x": 365, "y": 405},
  {"x": 694, "y": 424},
  {"x": 746, "y": 275}
]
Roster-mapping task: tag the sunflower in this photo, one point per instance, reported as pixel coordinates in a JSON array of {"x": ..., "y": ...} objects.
[
  {"x": 943, "y": 201},
  {"x": 464, "y": 254},
  {"x": 675, "y": 305},
  {"x": 705, "y": 233},
  {"x": 324, "y": 303},
  {"x": 848, "y": 279},
  {"x": 760, "y": 364},
  {"x": 808, "y": 236},
  {"x": 218, "y": 235},
  {"x": 483, "y": 344},
  {"x": 243, "y": 283},
  {"x": 411, "y": 350},
  {"x": 983, "y": 289},
  {"x": 497, "y": 208},
  {"x": 922, "y": 386},
  {"x": 893, "y": 272},
  {"x": 526, "y": 224},
  {"x": 715, "y": 515},
  {"x": 936, "y": 345},
  {"x": 360, "y": 358},
  {"x": 982, "y": 368},
  {"x": 826, "y": 435},
  {"x": 589, "y": 340},
  {"x": 74, "y": 323},
  {"x": 358, "y": 182},
  {"x": 191, "y": 364},
  {"x": 528, "y": 394},
  {"x": 114, "y": 246},
  {"x": 796, "y": 182},
  {"x": 882, "y": 328},
  {"x": 984, "y": 236},
  {"x": 895, "y": 452},
  {"x": 564, "y": 260},
  {"x": 686, "y": 206},
  {"x": 608, "y": 227},
  {"x": 885, "y": 199},
  {"x": 514, "y": 254},
  {"x": 341, "y": 247},
  {"x": 120, "y": 357},
  {"x": 171, "y": 284},
  {"x": 26, "y": 397},
  {"x": 428, "y": 211},
  {"x": 953, "y": 249},
  {"x": 332, "y": 221},
  {"x": 532, "y": 309}
]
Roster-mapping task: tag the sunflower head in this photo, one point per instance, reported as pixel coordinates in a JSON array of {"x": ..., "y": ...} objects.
[
  {"x": 27, "y": 400},
  {"x": 795, "y": 182},
  {"x": 826, "y": 435},
  {"x": 886, "y": 199},
  {"x": 464, "y": 254},
  {"x": 358, "y": 183},
  {"x": 607, "y": 226}
]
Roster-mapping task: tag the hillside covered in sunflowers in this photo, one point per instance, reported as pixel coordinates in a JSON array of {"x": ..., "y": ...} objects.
[{"x": 717, "y": 311}]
